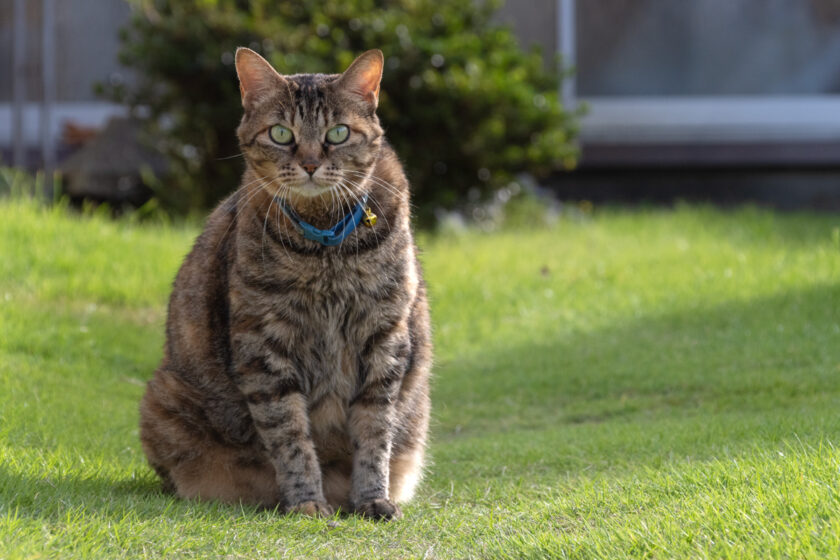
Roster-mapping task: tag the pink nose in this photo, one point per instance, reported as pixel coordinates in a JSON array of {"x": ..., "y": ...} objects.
[{"x": 309, "y": 166}]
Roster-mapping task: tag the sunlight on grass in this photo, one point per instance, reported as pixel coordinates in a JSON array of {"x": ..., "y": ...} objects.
[{"x": 631, "y": 384}]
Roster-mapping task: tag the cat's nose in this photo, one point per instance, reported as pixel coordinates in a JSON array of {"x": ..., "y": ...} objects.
[{"x": 309, "y": 166}]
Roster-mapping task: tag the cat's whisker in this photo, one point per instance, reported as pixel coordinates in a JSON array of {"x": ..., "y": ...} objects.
[
  {"x": 255, "y": 190},
  {"x": 329, "y": 203},
  {"x": 356, "y": 198},
  {"x": 265, "y": 221},
  {"x": 345, "y": 202},
  {"x": 345, "y": 187},
  {"x": 375, "y": 202},
  {"x": 240, "y": 154},
  {"x": 257, "y": 180},
  {"x": 376, "y": 180},
  {"x": 281, "y": 216},
  {"x": 321, "y": 196},
  {"x": 353, "y": 196},
  {"x": 334, "y": 201},
  {"x": 241, "y": 205},
  {"x": 372, "y": 201}
]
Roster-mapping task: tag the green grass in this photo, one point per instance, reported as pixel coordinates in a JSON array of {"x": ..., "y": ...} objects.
[{"x": 631, "y": 384}]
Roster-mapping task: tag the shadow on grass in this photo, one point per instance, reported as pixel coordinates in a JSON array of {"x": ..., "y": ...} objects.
[
  {"x": 56, "y": 498},
  {"x": 693, "y": 383},
  {"x": 53, "y": 494},
  {"x": 689, "y": 384}
]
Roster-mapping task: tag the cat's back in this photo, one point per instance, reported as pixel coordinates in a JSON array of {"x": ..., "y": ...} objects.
[
  {"x": 198, "y": 307},
  {"x": 191, "y": 387}
]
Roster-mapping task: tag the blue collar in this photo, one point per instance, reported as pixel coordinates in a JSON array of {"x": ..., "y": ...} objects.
[{"x": 328, "y": 237}]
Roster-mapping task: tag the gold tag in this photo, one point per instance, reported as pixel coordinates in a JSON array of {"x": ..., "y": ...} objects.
[{"x": 370, "y": 218}]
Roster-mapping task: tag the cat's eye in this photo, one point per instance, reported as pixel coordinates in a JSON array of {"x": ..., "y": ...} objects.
[
  {"x": 281, "y": 134},
  {"x": 338, "y": 134}
]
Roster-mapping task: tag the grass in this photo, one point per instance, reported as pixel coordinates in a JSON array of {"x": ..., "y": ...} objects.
[{"x": 646, "y": 383}]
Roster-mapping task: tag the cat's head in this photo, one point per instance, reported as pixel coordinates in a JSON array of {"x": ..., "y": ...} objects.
[{"x": 309, "y": 134}]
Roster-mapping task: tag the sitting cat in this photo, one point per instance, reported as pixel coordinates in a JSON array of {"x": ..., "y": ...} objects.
[{"x": 296, "y": 366}]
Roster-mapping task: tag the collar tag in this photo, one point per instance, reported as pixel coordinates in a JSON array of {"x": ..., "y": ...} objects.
[{"x": 370, "y": 218}]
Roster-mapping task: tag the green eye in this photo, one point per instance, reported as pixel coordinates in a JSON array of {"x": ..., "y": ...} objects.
[
  {"x": 338, "y": 134},
  {"x": 281, "y": 134}
]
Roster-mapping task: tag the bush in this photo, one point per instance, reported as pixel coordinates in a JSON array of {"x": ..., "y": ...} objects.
[{"x": 462, "y": 104}]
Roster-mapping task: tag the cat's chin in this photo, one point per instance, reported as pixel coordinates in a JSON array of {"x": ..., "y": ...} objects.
[{"x": 311, "y": 189}]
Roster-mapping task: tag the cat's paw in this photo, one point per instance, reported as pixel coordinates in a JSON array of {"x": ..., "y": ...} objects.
[
  {"x": 312, "y": 509},
  {"x": 381, "y": 509}
]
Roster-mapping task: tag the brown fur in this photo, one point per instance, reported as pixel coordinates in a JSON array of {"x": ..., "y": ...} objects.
[{"x": 296, "y": 374}]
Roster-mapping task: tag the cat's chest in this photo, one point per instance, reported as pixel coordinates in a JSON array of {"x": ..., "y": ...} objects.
[
  {"x": 330, "y": 305},
  {"x": 334, "y": 294}
]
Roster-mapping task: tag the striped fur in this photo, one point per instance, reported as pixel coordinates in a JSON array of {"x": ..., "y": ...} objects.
[{"x": 294, "y": 374}]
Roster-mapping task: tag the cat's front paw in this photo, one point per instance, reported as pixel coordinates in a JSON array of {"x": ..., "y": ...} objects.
[
  {"x": 312, "y": 509},
  {"x": 380, "y": 509}
]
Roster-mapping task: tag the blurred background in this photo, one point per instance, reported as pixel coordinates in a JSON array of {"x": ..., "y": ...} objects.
[{"x": 604, "y": 100}]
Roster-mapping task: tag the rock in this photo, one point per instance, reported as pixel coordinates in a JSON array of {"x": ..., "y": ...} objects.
[{"x": 108, "y": 168}]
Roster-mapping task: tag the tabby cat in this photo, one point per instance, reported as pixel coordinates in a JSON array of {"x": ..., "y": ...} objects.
[{"x": 296, "y": 366}]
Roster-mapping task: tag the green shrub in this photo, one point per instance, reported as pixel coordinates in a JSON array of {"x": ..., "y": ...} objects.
[{"x": 462, "y": 104}]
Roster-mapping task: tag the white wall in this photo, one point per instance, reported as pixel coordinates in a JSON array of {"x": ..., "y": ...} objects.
[{"x": 86, "y": 47}]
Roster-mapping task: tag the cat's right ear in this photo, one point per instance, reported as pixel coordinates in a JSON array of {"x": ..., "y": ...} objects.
[
  {"x": 363, "y": 76},
  {"x": 256, "y": 76}
]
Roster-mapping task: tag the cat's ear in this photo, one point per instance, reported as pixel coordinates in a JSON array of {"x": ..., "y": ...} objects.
[
  {"x": 256, "y": 76},
  {"x": 363, "y": 76}
]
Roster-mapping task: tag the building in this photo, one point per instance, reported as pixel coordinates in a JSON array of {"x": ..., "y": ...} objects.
[
  {"x": 747, "y": 88},
  {"x": 737, "y": 99},
  {"x": 85, "y": 42}
]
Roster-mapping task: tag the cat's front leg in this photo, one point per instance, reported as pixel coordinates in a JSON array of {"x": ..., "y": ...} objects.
[
  {"x": 371, "y": 426},
  {"x": 275, "y": 398}
]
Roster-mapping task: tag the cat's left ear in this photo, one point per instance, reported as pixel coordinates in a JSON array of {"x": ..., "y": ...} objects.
[{"x": 363, "y": 76}]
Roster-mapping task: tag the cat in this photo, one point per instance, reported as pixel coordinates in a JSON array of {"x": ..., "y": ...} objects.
[{"x": 297, "y": 359}]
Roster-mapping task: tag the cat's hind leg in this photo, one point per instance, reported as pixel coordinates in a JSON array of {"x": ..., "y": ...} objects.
[
  {"x": 406, "y": 472},
  {"x": 227, "y": 475},
  {"x": 190, "y": 458}
]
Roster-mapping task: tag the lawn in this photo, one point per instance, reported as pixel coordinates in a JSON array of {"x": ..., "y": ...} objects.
[{"x": 626, "y": 383}]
